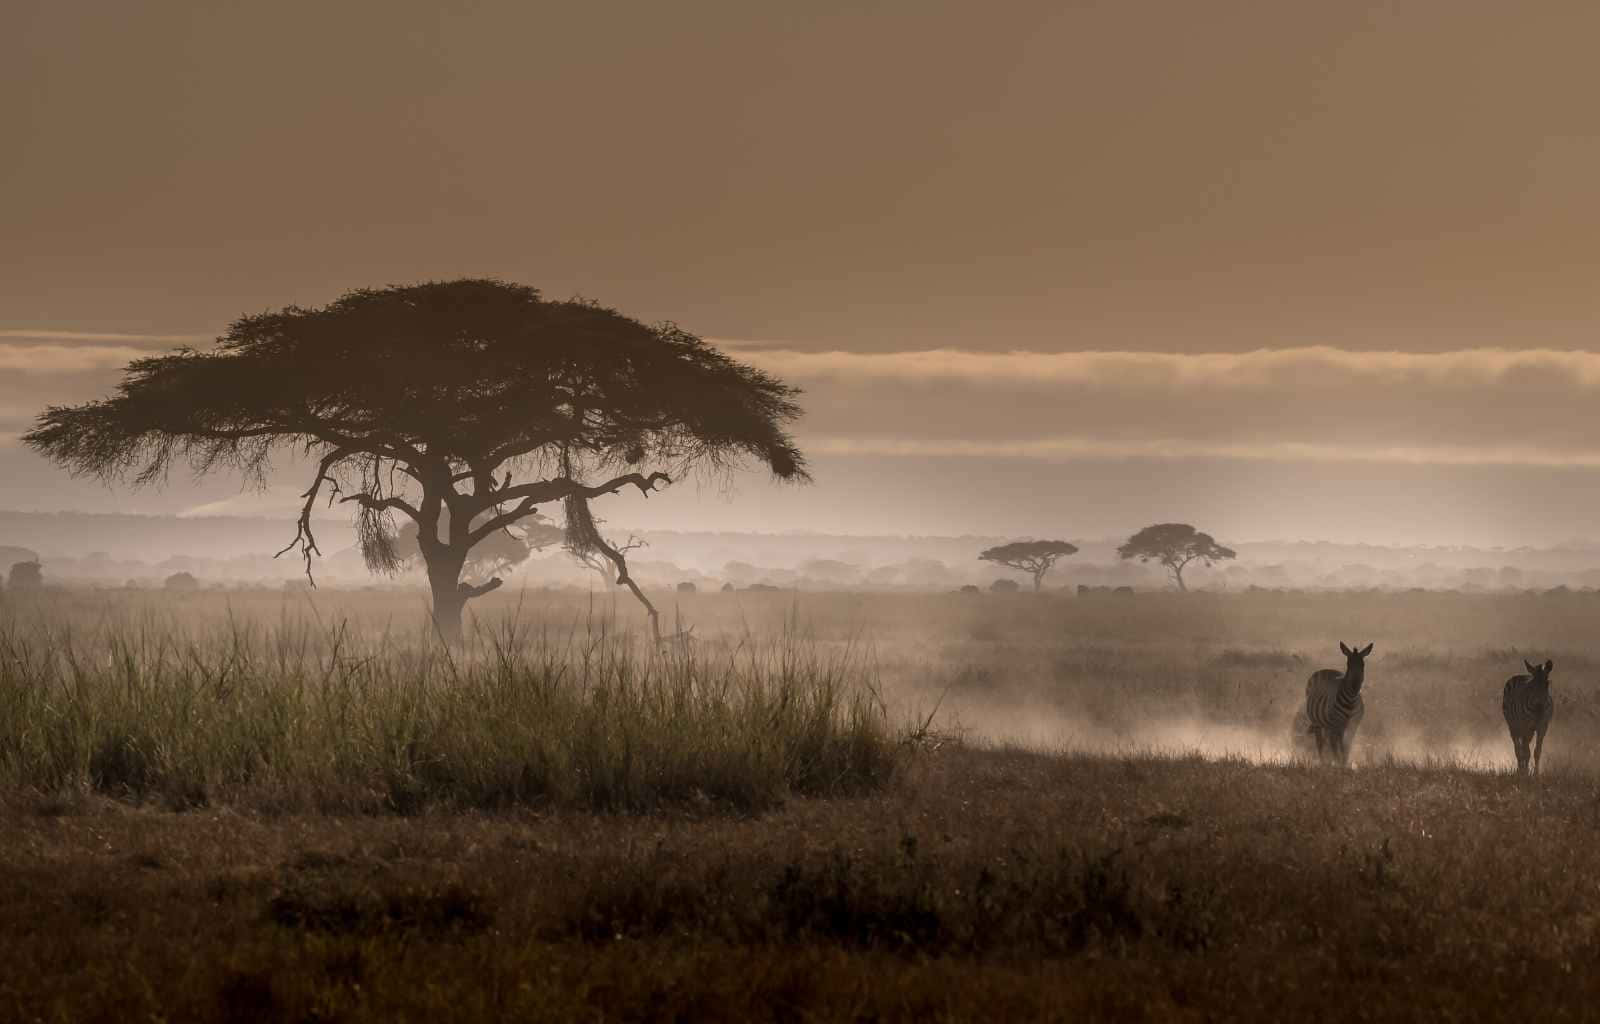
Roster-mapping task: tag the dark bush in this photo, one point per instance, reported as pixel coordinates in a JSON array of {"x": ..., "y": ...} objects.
[{"x": 26, "y": 576}]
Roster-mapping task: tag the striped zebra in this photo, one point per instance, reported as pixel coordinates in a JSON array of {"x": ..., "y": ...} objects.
[
  {"x": 1333, "y": 704},
  {"x": 1528, "y": 707}
]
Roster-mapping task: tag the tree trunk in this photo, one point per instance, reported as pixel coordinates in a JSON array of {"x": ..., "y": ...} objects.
[
  {"x": 1038, "y": 578},
  {"x": 449, "y": 599},
  {"x": 1177, "y": 574}
]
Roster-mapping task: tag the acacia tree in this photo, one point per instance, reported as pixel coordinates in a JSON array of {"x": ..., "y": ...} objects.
[
  {"x": 1174, "y": 545},
  {"x": 475, "y": 396},
  {"x": 1035, "y": 557}
]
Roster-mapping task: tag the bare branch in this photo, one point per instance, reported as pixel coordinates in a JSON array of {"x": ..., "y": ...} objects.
[
  {"x": 303, "y": 537},
  {"x": 584, "y": 541},
  {"x": 620, "y": 560},
  {"x": 559, "y": 488},
  {"x": 645, "y": 484},
  {"x": 468, "y": 592},
  {"x": 367, "y": 501},
  {"x": 501, "y": 521}
]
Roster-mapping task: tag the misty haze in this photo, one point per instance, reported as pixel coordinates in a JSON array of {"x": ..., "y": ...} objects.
[{"x": 720, "y": 512}]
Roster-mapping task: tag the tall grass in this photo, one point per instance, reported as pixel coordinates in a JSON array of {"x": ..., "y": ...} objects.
[
  {"x": 297, "y": 714},
  {"x": 380, "y": 714}
]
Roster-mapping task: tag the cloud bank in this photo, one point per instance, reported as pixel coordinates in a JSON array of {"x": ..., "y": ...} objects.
[
  {"x": 40, "y": 359},
  {"x": 1228, "y": 370},
  {"x": 1311, "y": 404},
  {"x": 68, "y": 337},
  {"x": 1078, "y": 448}
]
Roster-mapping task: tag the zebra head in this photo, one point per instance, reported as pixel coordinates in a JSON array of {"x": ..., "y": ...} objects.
[
  {"x": 1539, "y": 674},
  {"x": 1355, "y": 667}
]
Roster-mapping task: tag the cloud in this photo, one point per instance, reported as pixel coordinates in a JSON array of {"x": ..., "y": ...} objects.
[
  {"x": 153, "y": 340},
  {"x": 40, "y": 351},
  {"x": 277, "y": 499},
  {"x": 1172, "y": 370},
  {"x": 1170, "y": 448},
  {"x": 1311, "y": 404},
  {"x": 1315, "y": 403},
  {"x": 66, "y": 358}
]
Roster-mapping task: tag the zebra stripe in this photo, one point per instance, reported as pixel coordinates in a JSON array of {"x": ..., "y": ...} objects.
[
  {"x": 1334, "y": 707},
  {"x": 1528, "y": 707}
]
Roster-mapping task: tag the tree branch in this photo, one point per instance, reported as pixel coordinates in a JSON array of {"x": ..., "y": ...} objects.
[
  {"x": 367, "y": 501},
  {"x": 468, "y": 591},
  {"x": 501, "y": 521},
  {"x": 303, "y": 537},
  {"x": 620, "y": 561},
  {"x": 646, "y": 484},
  {"x": 558, "y": 488}
]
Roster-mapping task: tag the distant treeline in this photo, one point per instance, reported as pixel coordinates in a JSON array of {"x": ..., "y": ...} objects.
[{"x": 116, "y": 549}]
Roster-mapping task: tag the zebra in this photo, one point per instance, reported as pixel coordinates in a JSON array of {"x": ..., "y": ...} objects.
[
  {"x": 1528, "y": 707},
  {"x": 1333, "y": 704}
]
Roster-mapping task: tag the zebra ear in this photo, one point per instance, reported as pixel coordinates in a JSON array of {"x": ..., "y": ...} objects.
[
  {"x": 1366, "y": 651},
  {"x": 1549, "y": 666},
  {"x": 1528, "y": 665},
  {"x": 1346, "y": 651}
]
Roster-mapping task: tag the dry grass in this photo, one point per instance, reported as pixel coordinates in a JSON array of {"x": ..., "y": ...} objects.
[
  {"x": 300, "y": 717},
  {"x": 945, "y": 881},
  {"x": 983, "y": 884}
]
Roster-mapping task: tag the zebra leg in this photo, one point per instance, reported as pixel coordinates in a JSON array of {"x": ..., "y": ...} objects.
[
  {"x": 1336, "y": 736},
  {"x": 1538, "y": 749},
  {"x": 1317, "y": 732},
  {"x": 1522, "y": 754}
]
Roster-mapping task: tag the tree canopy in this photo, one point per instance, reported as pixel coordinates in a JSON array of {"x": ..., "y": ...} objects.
[
  {"x": 1174, "y": 545},
  {"x": 478, "y": 396},
  {"x": 1035, "y": 557}
]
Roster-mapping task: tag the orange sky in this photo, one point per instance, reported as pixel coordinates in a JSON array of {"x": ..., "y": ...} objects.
[{"x": 1308, "y": 179}]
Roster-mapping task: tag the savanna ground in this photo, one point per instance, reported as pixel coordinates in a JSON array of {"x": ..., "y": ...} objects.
[{"x": 280, "y": 807}]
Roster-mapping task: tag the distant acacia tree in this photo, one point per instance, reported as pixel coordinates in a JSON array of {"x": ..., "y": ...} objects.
[
  {"x": 1034, "y": 557},
  {"x": 475, "y": 396},
  {"x": 1174, "y": 545},
  {"x": 181, "y": 581},
  {"x": 27, "y": 575}
]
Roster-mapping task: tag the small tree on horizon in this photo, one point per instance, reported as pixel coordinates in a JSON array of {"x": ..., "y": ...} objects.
[
  {"x": 1174, "y": 545},
  {"x": 27, "y": 575},
  {"x": 1034, "y": 557},
  {"x": 474, "y": 395}
]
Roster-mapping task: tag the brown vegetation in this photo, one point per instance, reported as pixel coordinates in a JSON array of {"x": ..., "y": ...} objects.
[{"x": 985, "y": 884}]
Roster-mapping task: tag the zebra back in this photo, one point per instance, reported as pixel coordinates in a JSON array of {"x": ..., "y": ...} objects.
[
  {"x": 1526, "y": 704},
  {"x": 1330, "y": 702}
]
